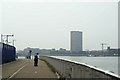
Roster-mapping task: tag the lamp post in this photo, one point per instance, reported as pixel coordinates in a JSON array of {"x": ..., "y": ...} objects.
[
  {"x": 1, "y": 38},
  {"x": 13, "y": 42},
  {"x": 7, "y": 36}
]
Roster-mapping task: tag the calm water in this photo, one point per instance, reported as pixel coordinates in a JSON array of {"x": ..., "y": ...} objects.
[{"x": 105, "y": 63}]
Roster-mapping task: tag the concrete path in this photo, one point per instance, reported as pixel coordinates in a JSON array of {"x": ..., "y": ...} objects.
[{"x": 25, "y": 69}]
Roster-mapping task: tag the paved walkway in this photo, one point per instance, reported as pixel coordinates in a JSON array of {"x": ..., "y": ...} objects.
[{"x": 25, "y": 69}]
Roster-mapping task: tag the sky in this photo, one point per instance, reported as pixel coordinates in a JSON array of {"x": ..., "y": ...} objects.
[{"x": 47, "y": 24}]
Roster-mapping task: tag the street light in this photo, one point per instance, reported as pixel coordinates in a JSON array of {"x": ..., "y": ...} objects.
[
  {"x": 1, "y": 38},
  {"x": 6, "y": 38},
  {"x": 14, "y": 41}
]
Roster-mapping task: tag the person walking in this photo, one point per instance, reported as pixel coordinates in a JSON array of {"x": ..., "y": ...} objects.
[{"x": 36, "y": 57}]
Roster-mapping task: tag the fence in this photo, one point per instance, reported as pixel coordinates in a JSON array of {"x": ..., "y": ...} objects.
[{"x": 7, "y": 53}]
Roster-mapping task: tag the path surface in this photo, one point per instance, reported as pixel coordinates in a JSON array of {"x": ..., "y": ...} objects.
[{"x": 25, "y": 69}]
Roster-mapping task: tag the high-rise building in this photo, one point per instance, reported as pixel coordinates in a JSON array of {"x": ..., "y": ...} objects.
[{"x": 76, "y": 41}]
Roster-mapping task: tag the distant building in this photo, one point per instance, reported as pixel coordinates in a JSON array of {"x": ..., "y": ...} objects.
[
  {"x": 62, "y": 50},
  {"x": 76, "y": 41},
  {"x": 112, "y": 51}
]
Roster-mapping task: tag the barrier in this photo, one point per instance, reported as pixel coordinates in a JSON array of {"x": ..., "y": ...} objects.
[
  {"x": 7, "y": 53},
  {"x": 69, "y": 69}
]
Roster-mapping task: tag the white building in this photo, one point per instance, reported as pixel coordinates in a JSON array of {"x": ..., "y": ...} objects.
[{"x": 76, "y": 41}]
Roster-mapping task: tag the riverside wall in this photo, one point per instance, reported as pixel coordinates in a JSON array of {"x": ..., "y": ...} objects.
[{"x": 69, "y": 69}]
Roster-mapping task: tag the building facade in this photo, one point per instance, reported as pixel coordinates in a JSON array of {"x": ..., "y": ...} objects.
[{"x": 76, "y": 41}]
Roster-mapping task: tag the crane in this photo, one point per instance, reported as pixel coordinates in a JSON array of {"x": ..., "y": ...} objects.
[{"x": 102, "y": 44}]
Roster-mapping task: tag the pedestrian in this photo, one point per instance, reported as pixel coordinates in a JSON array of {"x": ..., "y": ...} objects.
[{"x": 36, "y": 57}]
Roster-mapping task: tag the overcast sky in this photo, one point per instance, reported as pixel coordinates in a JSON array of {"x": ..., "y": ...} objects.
[{"x": 48, "y": 24}]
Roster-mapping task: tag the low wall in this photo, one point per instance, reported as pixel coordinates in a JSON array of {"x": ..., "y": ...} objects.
[{"x": 68, "y": 69}]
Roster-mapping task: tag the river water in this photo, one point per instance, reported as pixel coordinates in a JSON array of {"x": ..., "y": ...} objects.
[{"x": 106, "y": 63}]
